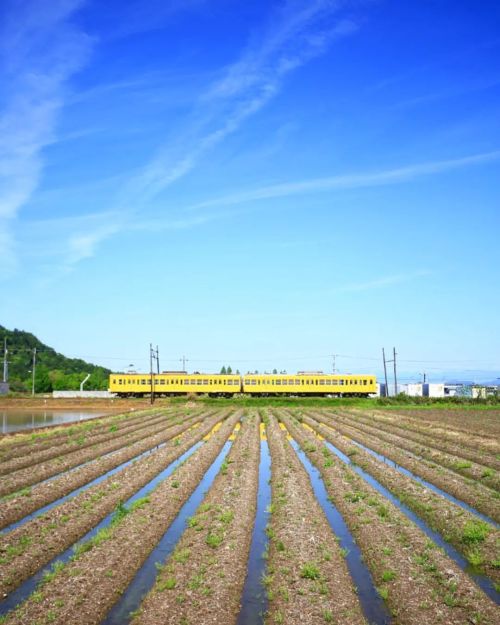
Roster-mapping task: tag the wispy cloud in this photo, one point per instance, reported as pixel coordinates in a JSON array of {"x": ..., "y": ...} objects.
[
  {"x": 296, "y": 34},
  {"x": 381, "y": 282},
  {"x": 82, "y": 235},
  {"x": 350, "y": 181},
  {"x": 39, "y": 49}
]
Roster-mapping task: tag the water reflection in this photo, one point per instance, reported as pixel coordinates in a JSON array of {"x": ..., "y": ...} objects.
[{"x": 15, "y": 420}]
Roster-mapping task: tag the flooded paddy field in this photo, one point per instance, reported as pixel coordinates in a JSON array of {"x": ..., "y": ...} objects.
[
  {"x": 192, "y": 513},
  {"x": 15, "y": 420}
]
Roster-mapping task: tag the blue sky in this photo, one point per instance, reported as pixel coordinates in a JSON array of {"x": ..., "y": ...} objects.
[{"x": 261, "y": 184}]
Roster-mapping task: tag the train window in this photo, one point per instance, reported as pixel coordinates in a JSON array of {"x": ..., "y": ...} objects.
[
  {"x": 322, "y": 382},
  {"x": 365, "y": 382},
  {"x": 341, "y": 382},
  {"x": 254, "y": 382},
  {"x": 205, "y": 381},
  {"x": 278, "y": 382}
]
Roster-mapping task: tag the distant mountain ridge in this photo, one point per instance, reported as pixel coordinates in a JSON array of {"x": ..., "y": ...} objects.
[{"x": 53, "y": 371}]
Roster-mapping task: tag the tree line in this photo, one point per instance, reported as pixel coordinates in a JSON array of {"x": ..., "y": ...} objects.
[{"x": 53, "y": 371}]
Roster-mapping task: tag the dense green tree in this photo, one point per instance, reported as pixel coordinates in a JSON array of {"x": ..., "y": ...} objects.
[
  {"x": 43, "y": 383},
  {"x": 223, "y": 370},
  {"x": 53, "y": 370},
  {"x": 229, "y": 371},
  {"x": 275, "y": 371}
]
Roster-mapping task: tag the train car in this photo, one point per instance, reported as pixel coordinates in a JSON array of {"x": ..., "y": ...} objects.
[
  {"x": 309, "y": 384},
  {"x": 175, "y": 383}
]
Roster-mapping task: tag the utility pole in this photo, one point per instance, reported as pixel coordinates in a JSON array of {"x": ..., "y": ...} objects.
[
  {"x": 153, "y": 355},
  {"x": 5, "y": 364},
  {"x": 184, "y": 360},
  {"x": 386, "y": 394},
  {"x": 395, "y": 376},
  {"x": 34, "y": 370},
  {"x": 152, "y": 381}
]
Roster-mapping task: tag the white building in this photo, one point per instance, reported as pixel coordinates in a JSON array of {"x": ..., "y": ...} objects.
[{"x": 433, "y": 389}]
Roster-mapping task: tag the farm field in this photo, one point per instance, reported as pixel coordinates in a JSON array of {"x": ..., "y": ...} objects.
[{"x": 194, "y": 513}]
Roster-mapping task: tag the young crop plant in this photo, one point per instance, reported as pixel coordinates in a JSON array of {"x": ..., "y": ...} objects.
[
  {"x": 475, "y": 532},
  {"x": 388, "y": 576},
  {"x": 214, "y": 540},
  {"x": 310, "y": 571}
]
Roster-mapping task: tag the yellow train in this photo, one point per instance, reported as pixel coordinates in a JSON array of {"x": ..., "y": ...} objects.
[{"x": 300, "y": 384}]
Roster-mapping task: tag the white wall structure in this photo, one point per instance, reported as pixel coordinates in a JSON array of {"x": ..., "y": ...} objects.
[
  {"x": 83, "y": 394},
  {"x": 433, "y": 389},
  {"x": 412, "y": 389}
]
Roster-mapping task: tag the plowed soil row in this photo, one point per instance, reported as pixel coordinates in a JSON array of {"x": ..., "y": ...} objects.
[
  {"x": 202, "y": 580},
  {"x": 41, "y": 437},
  {"x": 83, "y": 441},
  {"x": 26, "y": 549},
  {"x": 27, "y": 477},
  {"x": 419, "y": 583},
  {"x": 308, "y": 580},
  {"x": 83, "y": 591},
  {"x": 469, "y": 491},
  {"x": 453, "y": 453},
  {"x": 469, "y": 438},
  {"x": 41, "y": 495},
  {"x": 477, "y": 422},
  {"x": 476, "y": 540},
  {"x": 456, "y": 463}
]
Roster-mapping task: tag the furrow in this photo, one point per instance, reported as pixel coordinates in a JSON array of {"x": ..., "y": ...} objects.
[
  {"x": 82, "y": 591},
  {"x": 82, "y": 442},
  {"x": 203, "y": 578},
  {"x": 47, "y": 492},
  {"x": 474, "y": 538},
  {"x": 474, "y": 494},
  {"x": 419, "y": 583},
  {"x": 26, "y": 477},
  {"x": 26, "y": 439},
  {"x": 307, "y": 579},
  {"x": 26, "y": 549},
  {"x": 478, "y": 465}
]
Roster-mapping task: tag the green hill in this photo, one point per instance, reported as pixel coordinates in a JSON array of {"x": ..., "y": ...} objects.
[{"x": 53, "y": 370}]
